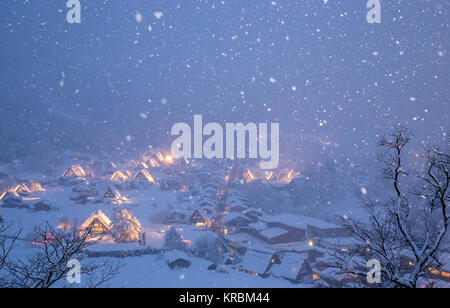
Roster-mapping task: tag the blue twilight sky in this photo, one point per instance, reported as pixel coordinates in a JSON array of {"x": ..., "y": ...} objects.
[{"x": 134, "y": 68}]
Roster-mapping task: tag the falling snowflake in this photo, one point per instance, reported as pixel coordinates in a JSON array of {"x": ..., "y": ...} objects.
[
  {"x": 139, "y": 17},
  {"x": 158, "y": 15}
]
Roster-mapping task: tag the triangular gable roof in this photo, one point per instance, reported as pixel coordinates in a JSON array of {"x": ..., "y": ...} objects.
[
  {"x": 144, "y": 175},
  {"x": 149, "y": 153},
  {"x": 76, "y": 170},
  {"x": 119, "y": 176},
  {"x": 256, "y": 262},
  {"x": 196, "y": 217},
  {"x": 133, "y": 164},
  {"x": 112, "y": 193},
  {"x": 98, "y": 217},
  {"x": 21, "y": 189}
]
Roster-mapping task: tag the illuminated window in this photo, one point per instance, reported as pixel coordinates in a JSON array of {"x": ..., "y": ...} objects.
[
  {"x": 445, "y": 274},
  {"x": 435, "y": 272}
]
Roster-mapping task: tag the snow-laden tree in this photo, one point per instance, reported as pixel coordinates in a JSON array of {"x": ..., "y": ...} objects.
[
  {"x": 174, "y": 241},
  {"x": 407, "y": 236},
  {"x": 126, "y": 227}
]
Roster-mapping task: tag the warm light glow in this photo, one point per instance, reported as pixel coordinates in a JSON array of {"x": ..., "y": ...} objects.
[
  {"x": 270, "y": 176},
  {"x": 36, "y": 187},
  {"x": 203, "y": 224},
  {"x": 168, "y": 159},
  {"x": 30, "y": 199},
  {"x": 439, "y": 273},
  {"x": 316, "y": 276},
  {"x": 311, "y": 244},
  {"x": 291, "y": 175},
  {"x": 2, "y": 196},
  {"x": 445, "y": 274},
  {"x": 248, "y": 176}
]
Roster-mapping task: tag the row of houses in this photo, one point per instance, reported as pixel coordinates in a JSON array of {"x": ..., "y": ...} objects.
[{"x": 292, "y": 266}]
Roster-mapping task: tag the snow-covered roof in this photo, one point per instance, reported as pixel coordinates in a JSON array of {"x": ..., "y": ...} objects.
[
  {"x": 144, "y": 175},
  {"x": 297, "y": 221},
  {"x": 291, "y": 264},
  {"x": 259, "y": 226},
  {"x": 256, "y": 262},
  {"x": 76, "y": 170},
  {"x": 174, "y": 255},
  {"x": 337, "y": 242},
  {"x": 235, "y": 216},
  {"x": 100, "y": 216},
  {"x": 206, "y": 202},
  {"x": 273, "y": 232}
]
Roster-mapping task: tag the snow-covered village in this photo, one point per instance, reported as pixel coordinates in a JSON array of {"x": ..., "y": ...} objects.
[
  {"x": 219, "y": 144},
  {"x": 187, "y": 223}
]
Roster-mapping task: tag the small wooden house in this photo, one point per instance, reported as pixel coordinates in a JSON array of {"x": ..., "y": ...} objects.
[
  {"x": 291, "y": 266},
  {"x": 77, "y": 171},
  {"x": 97, "y": 224},
  {"x": 120, "y": 176},
  {"x": 144, "y": 176},
  {"x": 197, "y": 219}
]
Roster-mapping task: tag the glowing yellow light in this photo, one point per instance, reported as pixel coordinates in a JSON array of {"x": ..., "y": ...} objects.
[
  {"x": 168, "y": 159},
  {"x": 310, "y": 243}
]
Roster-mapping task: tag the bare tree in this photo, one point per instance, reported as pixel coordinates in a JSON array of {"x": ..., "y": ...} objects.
[
  {"x": 406, "y": 236},
  {"x": 47, "y": 265},
  {"x": 7, "y": 244}
]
